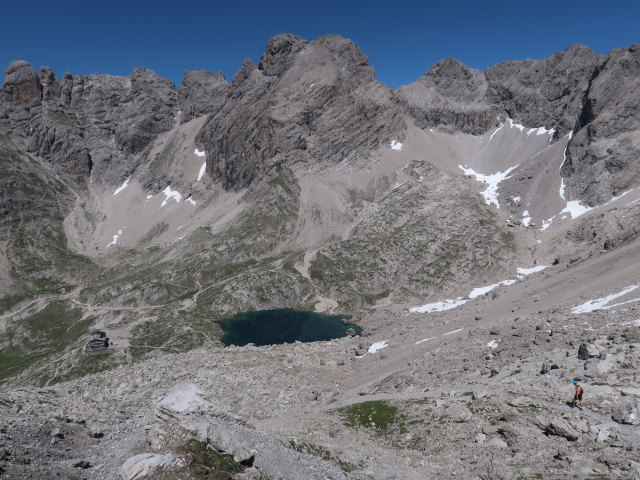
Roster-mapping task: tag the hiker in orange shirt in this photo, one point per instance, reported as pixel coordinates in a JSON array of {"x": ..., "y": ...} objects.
[{"x": 577, "y": 397}]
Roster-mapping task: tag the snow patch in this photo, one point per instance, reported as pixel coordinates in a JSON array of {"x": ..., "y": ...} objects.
[
  {"x": 515, "y": 199},
  {"x": 395, "y": 145},
  {"x": 169, "y": 194},
  {"x": 574, "y": 209},
  {"x": 542, "y": 131},
  {"x": 546, "y": 224},
  {"x": 450, "y": 304},
  {"x": 438, "y": 306},
  {"x": 377, "y": 346},
  {"x": 529, "y": 271},
  {"x": 562, "y": 188},
  {"x": 516, "y": 125},
  {"x": 490, "y": 194},
  {"x": 122, "y": 187},
  {"x": 184, "y": 399},
  {"x": 562, "y": 185},
  {"x": 600, "y": 303},
  {"x": 526, "y": 219},
  {"x": 191, "y": 201},
  {"x": 424, "y": 340},
  {"x": 452, "y": 332},
  {"x": 149, "y": 197},
  {"x": 201, "y": 172},
  {"x": 115, "y": 239},
  {"x": 614, "y": 198},
  {"x": 496, "y": 131},
  {"x": 476, "y": 292},
  {"x": 199, "y": 153},
  {"x": 493, "y": 344}
]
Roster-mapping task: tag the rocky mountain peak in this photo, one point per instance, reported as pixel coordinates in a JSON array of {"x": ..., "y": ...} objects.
[
  {"x": 291, "y": 106},
  {"x": 348, "y": 56},
  {"x": 245, "y": 72},
  {"x": 452, "y": 80},
  {"x": 21, "y": 82},
  {"x": 201, "y": 92},
  {"x": 450, "y": 68},
  {"x": 280, "y": 53},
  {"x": 151, "y": 82}
]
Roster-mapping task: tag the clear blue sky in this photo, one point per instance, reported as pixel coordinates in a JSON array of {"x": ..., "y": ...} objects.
[{"x": 403, "y": 39}]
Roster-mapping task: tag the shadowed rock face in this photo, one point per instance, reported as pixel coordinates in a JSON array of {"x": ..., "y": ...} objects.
[
  {"x": 201, "y": 92},
  {"x": 546, "y": 92},
  {"x": 73, "y": 122},
  {"x": 536, "y": 93},
  {"x": 603, "y": 157},
  {"x": 450, "y": 95},
  {"x": 306, "y": 102}
]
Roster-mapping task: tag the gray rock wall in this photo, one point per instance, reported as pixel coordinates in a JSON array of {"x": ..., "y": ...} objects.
[
  {"x": 603, "y": 157},
  {"x": 319, "y": 103}
]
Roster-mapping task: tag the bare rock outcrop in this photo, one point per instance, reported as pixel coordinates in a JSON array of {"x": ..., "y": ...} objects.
[
  {"x": 144, "y": 464},
  {"x": 73, "y": 122},
  {"x": 289, "y": 108},
  {"x": 21, "y": 83},
  {"x": 536, "y": 93},
  {"x": 603, "y": 157},
  {"x": 545, "y": 92},
  {"x": 201, "y": 92}
]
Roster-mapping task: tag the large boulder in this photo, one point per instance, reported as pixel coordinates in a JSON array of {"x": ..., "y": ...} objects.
[
  {"x": 587, "y": 351},
  {"x": 145, "y": 464},
  {"x": 562, "y": 428},
  {"x": 627, "y": 415},
  {"x": 459, "y": 413},
  {"x": 219, "y": 436}
]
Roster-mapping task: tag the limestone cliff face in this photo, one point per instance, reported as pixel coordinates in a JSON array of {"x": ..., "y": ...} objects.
[
  {"x": 535, "y": 93},
  {"x": 21, "y": 83},
  {"x": 603, "y": 157},
  {"x": 75, "y": 121},
  {"x": 305, "y": 102},
  {"x": 201, "y": 92},
  {"x": 544, "y": 92}
]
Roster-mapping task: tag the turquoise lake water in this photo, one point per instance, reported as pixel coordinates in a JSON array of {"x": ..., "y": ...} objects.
[{"x": 269, "y": 327}]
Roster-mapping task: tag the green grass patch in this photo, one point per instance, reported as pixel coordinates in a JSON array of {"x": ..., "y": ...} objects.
[
  {"x": 319, "y": 451},
  {"x": 376, "y": 415},
  {"x": 208, "y": 460},
  {"x": 373, "y": 298},
  {"x": 47, "y": 332}
]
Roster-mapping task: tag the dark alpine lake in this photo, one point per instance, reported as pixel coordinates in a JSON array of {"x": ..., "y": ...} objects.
[{"x": 269, "y": 327}]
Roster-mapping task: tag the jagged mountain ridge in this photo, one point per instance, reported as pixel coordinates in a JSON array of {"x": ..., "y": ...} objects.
[{"x": 550, "y": 92}]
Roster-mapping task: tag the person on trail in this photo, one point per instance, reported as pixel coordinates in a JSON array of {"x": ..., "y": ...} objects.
[{"x": 577, "y": 397}]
